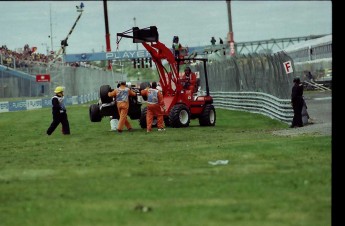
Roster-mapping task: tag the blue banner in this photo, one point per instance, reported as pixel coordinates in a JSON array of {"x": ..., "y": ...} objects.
[
  {"x": 9, "y": 106},
  {"x": 119, "y": 55},
  {"x": 46, "y": 102},
  {"x": 17, "y": 105},
  {"x": 4, "y": 107},
  {"x": 33, "y": 104}
]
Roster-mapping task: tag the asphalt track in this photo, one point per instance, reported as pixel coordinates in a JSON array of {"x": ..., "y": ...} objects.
[{"x": 319, "y": 107}]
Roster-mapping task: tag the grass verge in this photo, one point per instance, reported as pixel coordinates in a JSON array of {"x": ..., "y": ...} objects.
[{"x": 97, "y": 177}]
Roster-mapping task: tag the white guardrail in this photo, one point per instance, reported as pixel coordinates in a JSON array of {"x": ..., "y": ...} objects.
[{"x": 254, "y": 102}]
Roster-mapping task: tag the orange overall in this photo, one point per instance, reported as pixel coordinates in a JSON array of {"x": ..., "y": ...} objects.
[
  {"x": 189, "y": 81},
  {"x": 155, "y": 107},
  {"x": 121, "y": 94}
]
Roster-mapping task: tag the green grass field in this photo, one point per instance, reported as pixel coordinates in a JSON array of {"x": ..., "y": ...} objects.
[{"x": 96, "y": 177}]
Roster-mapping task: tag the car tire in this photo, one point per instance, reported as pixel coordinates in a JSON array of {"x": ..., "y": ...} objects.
[
  {"x": 94, "y": 113},
  {"x": 103, "y": 93}
]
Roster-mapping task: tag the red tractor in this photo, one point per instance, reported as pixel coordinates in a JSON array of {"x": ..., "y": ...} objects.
[{"x": 183, "y": 102}]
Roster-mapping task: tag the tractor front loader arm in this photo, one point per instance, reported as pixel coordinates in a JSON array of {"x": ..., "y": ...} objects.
[{"x": 158, "y": 52}]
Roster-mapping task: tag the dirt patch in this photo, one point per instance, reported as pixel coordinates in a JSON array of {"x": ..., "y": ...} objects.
[{"x": 315, "y": 129}]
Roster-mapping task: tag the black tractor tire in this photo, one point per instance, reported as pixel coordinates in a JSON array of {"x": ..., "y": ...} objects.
[
  {"x": 142, "y": 120},
  {"x": 179, "y": 116},
  {"x": 208, "y": 116},
  {"x": 103, "y": 93},
  {"x": 134, "y": 111},
  {"x": 116, "y": 114},
  {"x": 166, "y": 121},
  {"x": 143, "y": 86},
  {"x": 94, "y": 113}
]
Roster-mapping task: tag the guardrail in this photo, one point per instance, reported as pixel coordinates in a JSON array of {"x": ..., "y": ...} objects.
[
  {"x": 17, "y": 73},
  {"x": 320, "y": 85},
  {"x": 255, "y": 102}
]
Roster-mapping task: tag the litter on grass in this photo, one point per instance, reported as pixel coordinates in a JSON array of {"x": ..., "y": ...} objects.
[{"x": 219, "y": 162}]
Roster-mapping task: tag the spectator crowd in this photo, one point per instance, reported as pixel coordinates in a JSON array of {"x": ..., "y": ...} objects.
[
  {"x": 27, "y": 56},
  {"x": 22, "y": 57}
]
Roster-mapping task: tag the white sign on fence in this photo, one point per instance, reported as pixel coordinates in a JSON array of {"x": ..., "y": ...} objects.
[{"x": 288, "y": 67}]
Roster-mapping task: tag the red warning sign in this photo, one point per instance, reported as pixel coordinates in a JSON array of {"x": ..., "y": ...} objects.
[{"x": 43, "y": 78}]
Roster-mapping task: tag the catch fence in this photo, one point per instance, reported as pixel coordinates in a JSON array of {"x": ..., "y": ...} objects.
[
  {"x": 254, "y": 82},
  {"x": 250, "y": 73},
  {"x": 21, "y": 81}
]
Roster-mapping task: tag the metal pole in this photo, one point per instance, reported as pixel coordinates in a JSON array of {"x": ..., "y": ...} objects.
[
  {"x": 230, "y": 34},
  {"x": 51, "y": 28},
  {"x": 64, "y": 44},
  {"x": 107, "y": 35},
  {"x": 135, "y": 24}
]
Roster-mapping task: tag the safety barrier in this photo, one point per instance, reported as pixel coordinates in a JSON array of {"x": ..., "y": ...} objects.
[
  {"x": 255, "y": 102},
  {"x": 22, "y": 105}
]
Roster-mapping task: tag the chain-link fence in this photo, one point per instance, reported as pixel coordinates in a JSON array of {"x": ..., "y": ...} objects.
[
  {"x": 76, "y": 80},
  {"x": 253, "y": 72}
]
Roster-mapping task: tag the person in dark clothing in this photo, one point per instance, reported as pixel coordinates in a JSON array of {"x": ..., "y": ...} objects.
[
  {"x": 297, "y": 103},
  {"x": 59, "y": 112},
  {"x": 310, "y": 76},
  {"x": 213, "y": 41}
]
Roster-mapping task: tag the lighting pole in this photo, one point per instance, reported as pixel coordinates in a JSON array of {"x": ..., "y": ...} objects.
[
  {"x": 135, "y": 24},
  {"x": 51, "y": 28},
  {"x": 107, "y": 34},
  {"x": 230, "y": 33}
]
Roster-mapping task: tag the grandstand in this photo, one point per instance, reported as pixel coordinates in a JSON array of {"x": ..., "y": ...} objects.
[{"x": 313, "y": 55}]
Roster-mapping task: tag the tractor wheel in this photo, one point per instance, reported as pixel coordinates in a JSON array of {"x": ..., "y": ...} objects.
[
  {"x": 143, "y": 86},
  {"x": 142, "y": 120},
  {"x": 166, "y": 121},
  {"x": 179, "y": 116},
  {"x": 134, "y": 111},
  {"x": 94, "y": 113},
  {"x": 103, "y": 93},
  {"x": 208, "y": 116}
]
